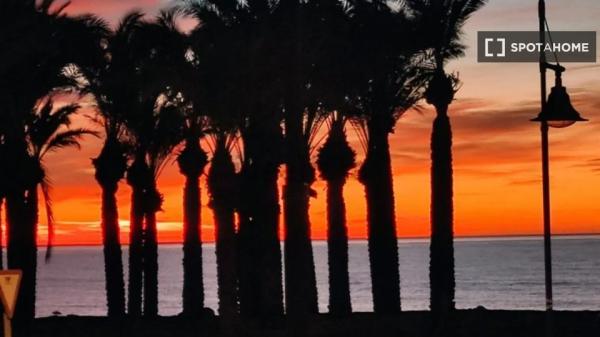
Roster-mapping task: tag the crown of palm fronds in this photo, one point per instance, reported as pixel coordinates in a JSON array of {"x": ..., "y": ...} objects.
[
  {"x": 166, "y": 135},
  {"x": 47, "y": 130},
  {"x": 336, "y": 158},
  {"x": 41, "y": 47},
  {"x": 224, "y": 140},
  {"x": 399, "y": 91},
  {"x": 440, "y": 24},
  {"x": 385, "y": 71},
  {"x": 146, "y": 91},
  {"x": 40, "y": 41}
]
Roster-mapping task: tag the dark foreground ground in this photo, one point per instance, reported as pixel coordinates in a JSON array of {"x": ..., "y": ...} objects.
[{"x": 476, "y": 323}]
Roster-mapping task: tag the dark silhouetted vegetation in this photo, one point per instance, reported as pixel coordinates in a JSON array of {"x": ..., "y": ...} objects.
[{"x": 262, "y": 88}]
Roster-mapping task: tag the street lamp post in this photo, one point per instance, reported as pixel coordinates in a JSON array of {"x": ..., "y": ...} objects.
[
  {"x": 545, "y": 163},
  {"x": 557, "y": 111}
]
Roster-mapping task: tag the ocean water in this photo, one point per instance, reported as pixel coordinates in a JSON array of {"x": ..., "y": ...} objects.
[{"x": 495, "y": 273}]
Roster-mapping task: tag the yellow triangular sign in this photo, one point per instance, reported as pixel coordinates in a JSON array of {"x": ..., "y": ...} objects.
[{"x": 10, "y": 280}]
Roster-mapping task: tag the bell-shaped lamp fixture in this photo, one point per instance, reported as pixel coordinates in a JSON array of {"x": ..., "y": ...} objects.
[{"x": 558, "y": 112}]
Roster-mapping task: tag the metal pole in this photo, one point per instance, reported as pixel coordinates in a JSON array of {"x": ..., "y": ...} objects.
[{"x": 545, "y": 176}]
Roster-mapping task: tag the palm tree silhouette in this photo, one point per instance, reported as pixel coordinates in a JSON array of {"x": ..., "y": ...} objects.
[
  {"x": 216, "y": 96},
  {"x": 127, "y": 83},
  {"x": 441, "y": 23},
  {"x": 46, "y": 130},
  {"x": 330, "y": 88},
  {"x": 235, "y": 42},
  {"x": 192, "y": 160},
  {"x": 156, "y": 125},
  {"x": 259, "y": 251},
  {"x": 335, "y": 159},
  {"x": 295, "y": 36},
  {"x": 388, "y": 83},
  {"x": 40, "y": 40},
  {"x": 113, "y": 95},
  {"x": 159, "y": 141}
]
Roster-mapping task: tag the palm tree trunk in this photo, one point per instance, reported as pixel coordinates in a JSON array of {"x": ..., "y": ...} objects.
[
  {"x": 222, "y": 188},
  {"x": 441, "y": 271},
  {"x": 150, "y": 266},
  {"x": 376, "y": 175},
  {"x": 300, "y": 285},
  {"x": 271, "y": 279},
  {"x": 193, "y": 284},
  {"x": 134, "y": 304},
  {"x": 113, "y": 264},
  {"x": 259, "y": 258},
  {"x": 259, "y": 250},
  {"x": 22, "y": 216},
  {"x": 337, "y": 242},
  {"x": 225, "y": 251},
  {"x": 247, "y": 257}
]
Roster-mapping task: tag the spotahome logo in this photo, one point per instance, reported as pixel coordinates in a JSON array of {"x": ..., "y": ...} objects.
[{"x": 526, "y": 46}]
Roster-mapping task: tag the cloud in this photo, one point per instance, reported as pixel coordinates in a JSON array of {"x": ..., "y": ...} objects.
[
  {"x": 591, "y": 164},
  {"x": 525, "y": 182}
]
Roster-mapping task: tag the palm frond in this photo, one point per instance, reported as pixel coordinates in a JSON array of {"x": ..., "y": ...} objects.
[
  {"x": 68, "y": 138},
  {"x": 44, "y": 121},
  {"x": 131, "y": 20},
  {"x": 46, "y": 189},
  {"x": 360, "y": 128},
  {"x": 168, "y": 17},
  {"x": 440, "y": 24}
]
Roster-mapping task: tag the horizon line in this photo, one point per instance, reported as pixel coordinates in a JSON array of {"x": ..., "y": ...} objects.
[{"x": 407, "y": 238}]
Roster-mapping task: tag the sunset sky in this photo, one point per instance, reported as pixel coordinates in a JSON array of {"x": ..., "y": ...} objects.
[{"x": 496, "y": 149}]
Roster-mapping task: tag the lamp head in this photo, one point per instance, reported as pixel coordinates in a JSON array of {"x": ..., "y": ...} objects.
[{"x": 559, "y": 112}]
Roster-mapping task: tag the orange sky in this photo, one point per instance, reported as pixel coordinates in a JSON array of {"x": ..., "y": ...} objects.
[{"x": 496, "y": 149}]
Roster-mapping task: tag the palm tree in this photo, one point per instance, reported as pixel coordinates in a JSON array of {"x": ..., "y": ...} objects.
[
  {"x": 155, "y": 123},
  {"x": 116, "y": 89},
  {"x": 216, "y": 102},
  {"x": 388, "y": 83},
  {"x": 41, "y": 41},
  {"x": 46, "y": 130},
  {"x": 335, "y": 159},
  {"x": 157, "y": 133},
  {"x": 111, "y": 84},
  {"x": 441, "y": 23},
  {"x": 166, "y": 136},
  {"x": 192, "y": 160},
  {"x": 296, "y": 37},
  {"x": 235, "y": 42}
]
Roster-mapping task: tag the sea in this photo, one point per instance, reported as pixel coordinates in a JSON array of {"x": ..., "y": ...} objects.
[{"x": 496, "y": 273}]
